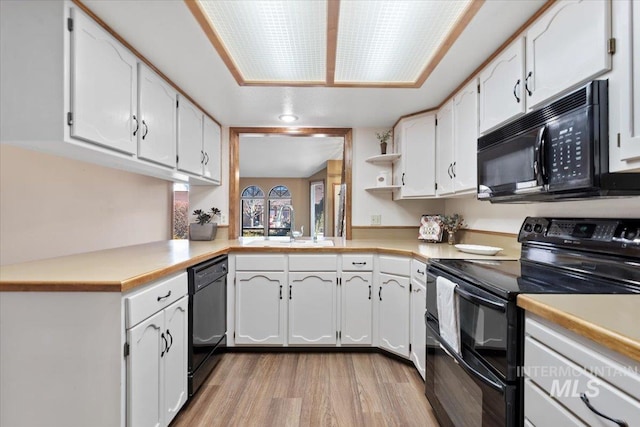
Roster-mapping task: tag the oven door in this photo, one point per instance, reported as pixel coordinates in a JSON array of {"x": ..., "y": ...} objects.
[
  {"x": 462, "y": 390},
  {"x": 488, "y": 324},
  {"x": 513, "y": 167}
]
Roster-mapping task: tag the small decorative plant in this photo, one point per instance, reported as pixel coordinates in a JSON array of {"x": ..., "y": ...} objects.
[
  {"x": 383, "y": 138},
  {"x": 203, "y": 229},
  {"x": 452, "y": 223},
  {"x": 203, "y": 217}
]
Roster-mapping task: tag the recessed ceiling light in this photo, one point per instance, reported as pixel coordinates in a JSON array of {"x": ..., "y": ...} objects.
[{"x": 288, "y": 118}]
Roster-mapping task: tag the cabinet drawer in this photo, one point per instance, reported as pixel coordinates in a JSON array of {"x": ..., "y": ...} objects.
[
  {"x": 260, "y": 262},
  {"x": 542, "y": 410},
  {"x": 419, "y": 271},
  {"x": 565, "y": 381},
  {"x": 357, "y": 262},
  {"x": 395, "y": 265},
  {"x": 619, "y": 371},
  {"x": 313, "y": 262},
  {"x": 144, "y": 303}
]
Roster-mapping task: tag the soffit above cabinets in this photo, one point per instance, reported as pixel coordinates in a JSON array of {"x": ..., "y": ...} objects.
[
  {"x": 169, "y": 36},
  {"x": 383, "y": 43}
]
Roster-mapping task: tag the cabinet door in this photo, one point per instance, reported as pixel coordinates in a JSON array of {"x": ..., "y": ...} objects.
[
  {"x": 398, "y": 165},
  {"x": 502, "y": 88},
  {"x": 418, "y": 156},
  {"x": 465, "y": 133},
  {"x": 418, "y": 328},
  {"x": 259, "y": 308},
  {"x": 393, "y": 314},
  {"x": 356, "y": 308},
  {"x": 211, "y": 148},
  {"x": 157, "y": 114},
  {"x": 144, "y": 372},
  {"x": 175, "y": 358},
  {"x": 103, "y": 87},
  {"x": 312, "y": 308},
  {"x": 567, "y": 46},
  {"x": 630, "y": 111},
  {"x": 444, "y": 149},
  {"x": 190, "y": 128}
]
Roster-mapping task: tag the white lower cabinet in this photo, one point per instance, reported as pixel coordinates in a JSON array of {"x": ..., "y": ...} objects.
[
  {"x": 157, "y": 340},
  {"x": 260, "y": 305},
  {"x": 312, "y": 308},
  {"x": 393, "y": 314},
  {"x": 356, "y": 296},
  {"x": 570, "y": 380},
  {"x": 418, "y": 329}
]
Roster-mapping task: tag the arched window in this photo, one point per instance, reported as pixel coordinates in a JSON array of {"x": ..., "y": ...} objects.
[
  {"x": 252, "y": 211},
  {"x": 280, "y": 211}
]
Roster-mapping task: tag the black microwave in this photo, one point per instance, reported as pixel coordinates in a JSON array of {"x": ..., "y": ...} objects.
[{"x": 559, "y": 151}]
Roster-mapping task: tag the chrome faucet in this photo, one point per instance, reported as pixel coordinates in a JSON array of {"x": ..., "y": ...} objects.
[{"x": 292, "y": 222}]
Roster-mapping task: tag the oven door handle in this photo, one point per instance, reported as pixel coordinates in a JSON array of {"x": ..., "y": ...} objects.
[
  {"x": 488, "y": 381},
  {"x": 481, "y": 300}
]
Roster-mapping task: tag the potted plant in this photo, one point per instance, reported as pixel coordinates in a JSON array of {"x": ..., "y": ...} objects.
[
  {"x": 383, "y": 138},
  {"x": 452, "y": 223},
  {"x": 203, "y": 228}
]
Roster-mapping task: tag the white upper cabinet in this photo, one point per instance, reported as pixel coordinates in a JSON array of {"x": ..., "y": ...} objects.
[
  {"x": 156, "y": 118},
  {"x": 211, "y": 148},
  {"x": 567, "y": 46},
  {"x": 465, "y": 138},
  {"x": 103, "y": 87},
  {"x": 444, "y": 150},
  {"x": 190, "y": 137},
  {"x": 624, "y": 88},
  {"x": 502, "y": 87},
  {"x": 198, "y": 142},
  {"x": 417, "y": 141}
]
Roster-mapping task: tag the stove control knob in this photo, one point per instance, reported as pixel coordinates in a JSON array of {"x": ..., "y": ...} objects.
[
  {"x": 528, "y": 228},
  {"x": 537, "y": 228},
  {"x": 630, "y": 234}
]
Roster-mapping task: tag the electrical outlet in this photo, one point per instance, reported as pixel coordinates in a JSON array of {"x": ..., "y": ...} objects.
[
  {"x": 223, "y": 219},
  {"x": 376, "y": 219}
]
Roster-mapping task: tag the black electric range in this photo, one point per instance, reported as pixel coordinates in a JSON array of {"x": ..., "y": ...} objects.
[{"x": 564, "y": 256}]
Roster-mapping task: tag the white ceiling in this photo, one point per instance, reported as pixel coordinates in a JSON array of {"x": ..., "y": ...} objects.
[
  {"x": 286, "y": 156},
  {"x": 166, "y": 33}
]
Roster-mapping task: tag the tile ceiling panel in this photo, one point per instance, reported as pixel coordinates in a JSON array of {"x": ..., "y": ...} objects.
[
  {"x": 391, "y": 41},
  {"x": 273, "y": 41}
]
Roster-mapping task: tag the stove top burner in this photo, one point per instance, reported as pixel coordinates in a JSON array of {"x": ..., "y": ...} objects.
[{"x": 510, "y": 278}]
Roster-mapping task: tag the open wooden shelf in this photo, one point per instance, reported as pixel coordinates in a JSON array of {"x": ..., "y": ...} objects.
[
  {"x": 385, "y": 189},
  {"x": 383, "y": 158}
]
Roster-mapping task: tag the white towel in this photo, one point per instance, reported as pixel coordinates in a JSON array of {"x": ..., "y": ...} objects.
[{"x": 448, "y": 313}]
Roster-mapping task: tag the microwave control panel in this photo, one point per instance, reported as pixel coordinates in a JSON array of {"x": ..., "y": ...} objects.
[{"x": 568, "y": 150}]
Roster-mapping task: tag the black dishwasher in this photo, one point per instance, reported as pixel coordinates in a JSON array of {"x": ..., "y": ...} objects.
[{"x": 207, "y": 318}]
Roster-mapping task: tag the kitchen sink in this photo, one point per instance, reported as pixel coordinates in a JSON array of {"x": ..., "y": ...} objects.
[{"x": 280, "y": 243}]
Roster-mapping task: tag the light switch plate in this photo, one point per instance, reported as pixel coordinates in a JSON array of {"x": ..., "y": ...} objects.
[{"x": 376, "y": 219}]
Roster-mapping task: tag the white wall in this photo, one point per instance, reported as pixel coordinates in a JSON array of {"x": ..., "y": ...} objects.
[
  {"x": 365, "y": 204},
  {"x": 508, "y": 217},
  {"x": 52, "y": 206}
]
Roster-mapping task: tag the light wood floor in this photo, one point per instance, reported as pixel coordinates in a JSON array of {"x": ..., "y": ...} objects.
[{"x": 309, "y": 389}]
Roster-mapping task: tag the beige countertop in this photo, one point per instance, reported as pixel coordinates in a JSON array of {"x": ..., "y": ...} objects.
[
  {"x": 611, "y": 320},
  {"x": 122, "y": 269}
]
